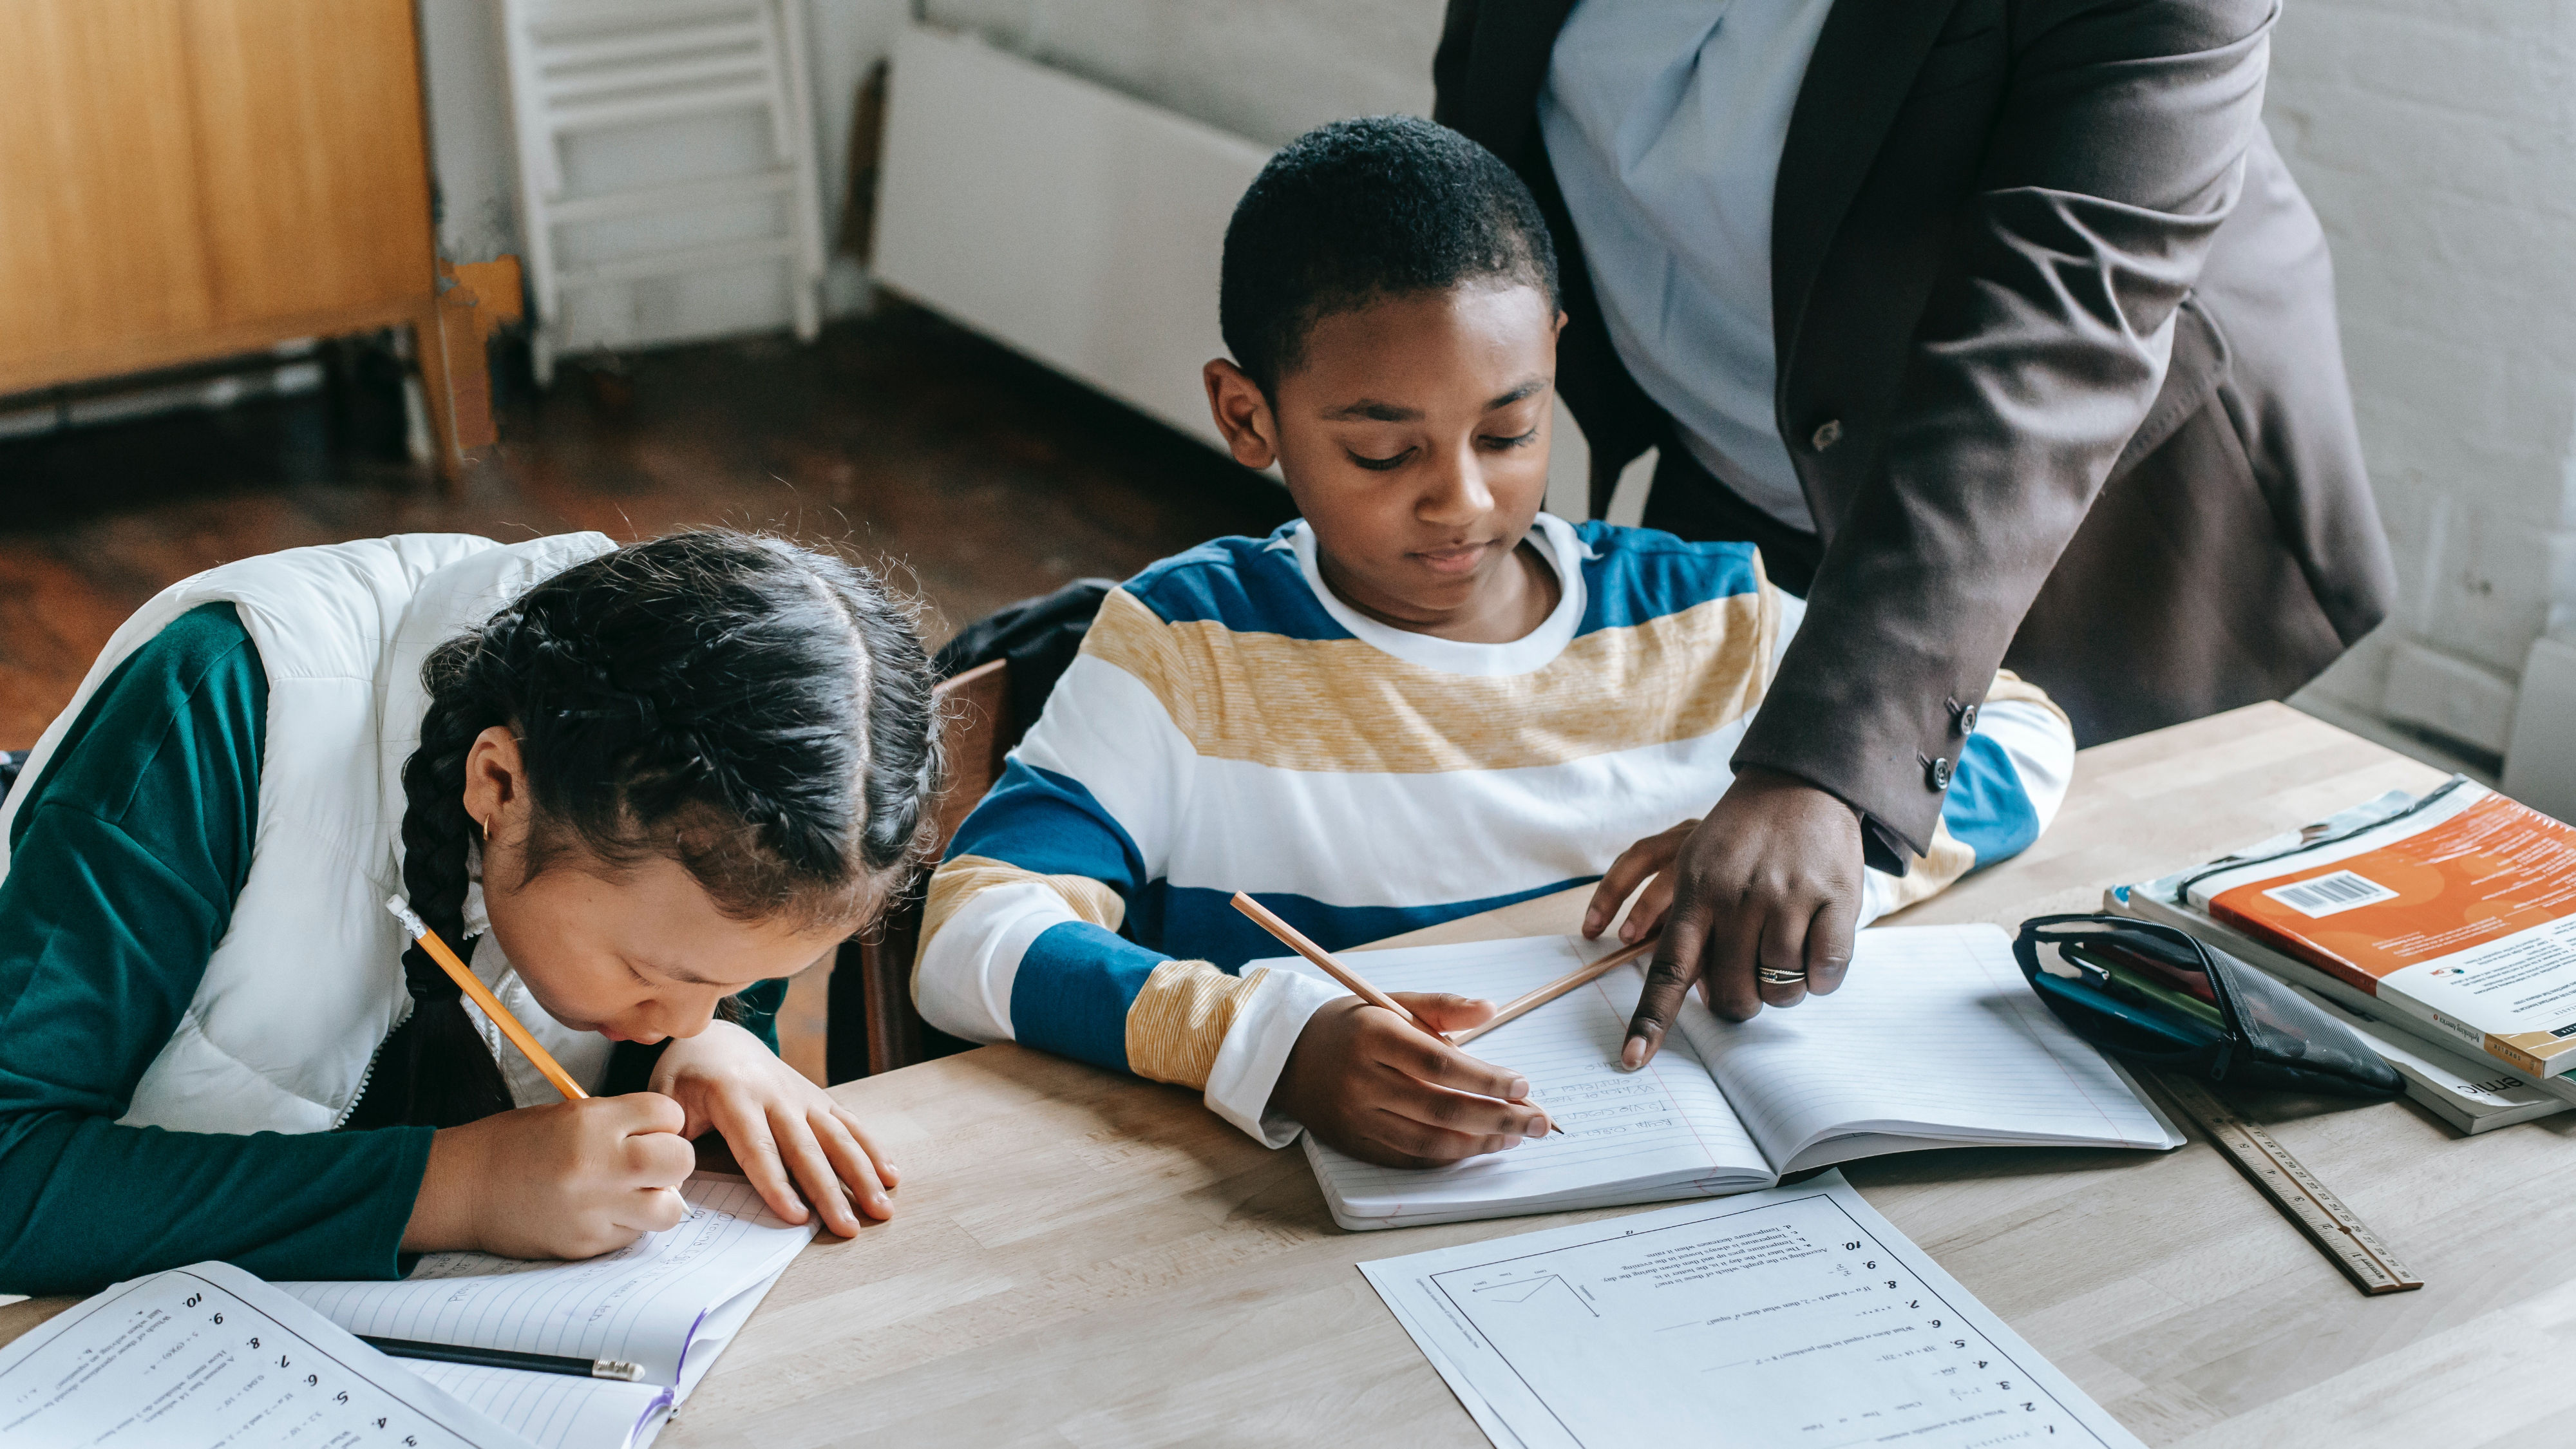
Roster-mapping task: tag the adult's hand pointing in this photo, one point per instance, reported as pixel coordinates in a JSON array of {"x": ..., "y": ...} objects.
[{"x": 1771, "y": 880}]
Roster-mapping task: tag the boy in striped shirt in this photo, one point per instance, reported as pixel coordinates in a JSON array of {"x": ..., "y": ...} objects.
[{"x": 1423, "y": 699}]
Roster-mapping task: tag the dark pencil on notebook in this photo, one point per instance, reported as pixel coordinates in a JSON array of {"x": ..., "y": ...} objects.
[
  {"x": 1331, "y": 965},
  {"x": 541, "y": 1363}
]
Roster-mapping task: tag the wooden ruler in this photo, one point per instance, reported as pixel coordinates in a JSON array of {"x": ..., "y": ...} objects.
[{"x": 2344, "y": 1238}]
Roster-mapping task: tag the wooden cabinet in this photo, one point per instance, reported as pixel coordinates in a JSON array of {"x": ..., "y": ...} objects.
[{"x": 183, "y": 179}]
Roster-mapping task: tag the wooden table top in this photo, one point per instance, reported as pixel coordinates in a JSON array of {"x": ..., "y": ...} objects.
[{"x": 1081, "y": 1259}]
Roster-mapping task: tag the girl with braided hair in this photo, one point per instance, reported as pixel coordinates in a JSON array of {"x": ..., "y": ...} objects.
[{"x": 636, "y": 787}]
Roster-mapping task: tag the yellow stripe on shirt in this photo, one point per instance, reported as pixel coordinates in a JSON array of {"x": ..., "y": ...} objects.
[
  {"x": 1179, "y": 1020},
  {"x": 2009, "y": 685},
  {"x": 1291, "y": 703},
  {"x": 960, "y": 879}
]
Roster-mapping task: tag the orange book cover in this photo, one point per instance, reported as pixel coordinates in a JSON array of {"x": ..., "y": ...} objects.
[{"x": 2464, "y": 913}]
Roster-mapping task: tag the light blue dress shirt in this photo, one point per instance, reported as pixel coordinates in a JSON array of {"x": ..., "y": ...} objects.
[{"x": 1664, "y": 120}]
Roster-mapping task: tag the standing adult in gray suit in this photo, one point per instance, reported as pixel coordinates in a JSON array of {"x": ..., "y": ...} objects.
[{"x": 1999, "y": 325}]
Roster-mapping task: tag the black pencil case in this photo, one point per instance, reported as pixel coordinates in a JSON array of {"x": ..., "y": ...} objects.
[{"x": 2266, "y": 1034}]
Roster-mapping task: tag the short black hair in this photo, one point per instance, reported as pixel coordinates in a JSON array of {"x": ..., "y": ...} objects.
[{"x": 1366, "y": 209}]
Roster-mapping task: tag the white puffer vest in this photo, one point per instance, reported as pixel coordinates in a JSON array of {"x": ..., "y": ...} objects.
[{"x": 307, "y": 981}]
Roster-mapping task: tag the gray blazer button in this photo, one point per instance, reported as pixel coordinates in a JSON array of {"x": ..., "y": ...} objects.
[
  {"x": 1968, "y": 720},
  {"x": 1828, "y": 433},
  {"x": 1936, "y": 773}
]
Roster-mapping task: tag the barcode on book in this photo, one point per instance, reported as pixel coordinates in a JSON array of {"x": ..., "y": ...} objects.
[{"x": 2327, "y": 894}]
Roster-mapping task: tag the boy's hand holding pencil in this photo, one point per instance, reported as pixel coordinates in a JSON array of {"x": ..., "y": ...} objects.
[{"x": 1374, "y": 1075}]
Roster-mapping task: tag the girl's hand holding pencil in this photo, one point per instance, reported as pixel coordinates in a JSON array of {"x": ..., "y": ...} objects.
[
  {"x": 591, "y": 1176},
  {"x": 573, "y": 1180}
]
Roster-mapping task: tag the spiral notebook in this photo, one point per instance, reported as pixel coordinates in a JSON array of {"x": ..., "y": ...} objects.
[
  {"x": 669, "y": 1301},
  {"x": 1934, "y": 1040}
]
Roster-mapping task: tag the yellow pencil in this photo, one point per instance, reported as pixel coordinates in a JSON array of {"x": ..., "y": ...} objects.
[{"x": 482, "y": 996}]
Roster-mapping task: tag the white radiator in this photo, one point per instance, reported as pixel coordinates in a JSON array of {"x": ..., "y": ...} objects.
[{"x": 1075, "y": 224}]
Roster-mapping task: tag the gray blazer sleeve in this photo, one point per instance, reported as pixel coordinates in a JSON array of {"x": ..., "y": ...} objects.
[{"x": 2119, "y": 149}]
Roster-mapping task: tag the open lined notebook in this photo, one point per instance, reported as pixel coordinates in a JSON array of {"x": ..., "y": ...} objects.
[
  {"x": 1933, "y": 1041},
  {"x": 669, "y": 1301}
]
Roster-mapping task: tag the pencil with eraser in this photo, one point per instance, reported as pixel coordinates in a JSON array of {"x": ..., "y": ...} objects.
[{"x": 481, "y": 995}]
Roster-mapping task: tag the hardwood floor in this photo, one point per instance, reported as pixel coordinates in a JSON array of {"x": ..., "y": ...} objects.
[{"x": 970, "y": 475}]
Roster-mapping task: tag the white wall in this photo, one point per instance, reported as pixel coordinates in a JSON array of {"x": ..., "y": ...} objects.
[
  {"x": 2437, "y": 139},
  {"x": 469, "y": 118},
  {"x": 466, "y": 78}
]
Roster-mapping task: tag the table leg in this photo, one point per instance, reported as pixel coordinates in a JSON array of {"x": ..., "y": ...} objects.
[{"x": 438, "y": 388}]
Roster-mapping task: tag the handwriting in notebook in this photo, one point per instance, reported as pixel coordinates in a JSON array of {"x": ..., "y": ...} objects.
[
  {"x": 640, "y": 1303},
  {"x": 1668, "y": 1122}
]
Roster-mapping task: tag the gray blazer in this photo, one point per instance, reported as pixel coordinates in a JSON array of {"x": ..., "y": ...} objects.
[{"x": 1988, "y": 213}]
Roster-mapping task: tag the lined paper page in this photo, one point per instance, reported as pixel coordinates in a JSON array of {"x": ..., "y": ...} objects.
[
  {"x": 555, "y": 1411},
  {"x": 1664, "y": 1132},
  {"x": 1934, "y": 1035},
  {"x": 641, "y": 1302}
]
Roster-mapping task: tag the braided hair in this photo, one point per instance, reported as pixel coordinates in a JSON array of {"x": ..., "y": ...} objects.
[{"x": 757, "y": 712}]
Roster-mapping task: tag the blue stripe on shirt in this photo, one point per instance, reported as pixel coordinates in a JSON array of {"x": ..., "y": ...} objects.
[
  {"x": 1041, "y": 821},
  {"x": 1073, "y": 990},
  {"x": 1637, "y": 574},
  {"x": 1241, "y": 583},
  {"x": 1988, "y": 810}
]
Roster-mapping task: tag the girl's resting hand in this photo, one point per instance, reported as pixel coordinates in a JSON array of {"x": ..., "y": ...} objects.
[
  {"x": 573, "y": 1180},
  {"x": 777, "y": 1124}
]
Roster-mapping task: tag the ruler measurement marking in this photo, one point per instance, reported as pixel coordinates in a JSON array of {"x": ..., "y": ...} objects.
[{"x": 2300, "y": 1195}]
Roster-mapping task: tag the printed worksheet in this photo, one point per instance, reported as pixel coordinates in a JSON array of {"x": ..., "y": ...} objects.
[
  {"x": 210, "y": 1357},
  {"x": 1792, "y": 1317}
]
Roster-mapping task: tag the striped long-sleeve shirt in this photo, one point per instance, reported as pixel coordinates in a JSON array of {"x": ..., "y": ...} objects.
[{"x": 1231, "y": 725}]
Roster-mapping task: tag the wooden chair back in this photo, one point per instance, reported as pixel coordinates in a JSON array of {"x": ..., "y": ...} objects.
[{"x": 874, "y": 1026}]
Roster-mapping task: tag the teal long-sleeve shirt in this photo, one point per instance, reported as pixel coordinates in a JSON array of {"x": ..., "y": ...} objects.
[{"x": 124, "y": 867}]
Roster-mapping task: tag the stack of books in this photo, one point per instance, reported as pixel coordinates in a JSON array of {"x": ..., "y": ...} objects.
[{"x": 2442, "y": 928}]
